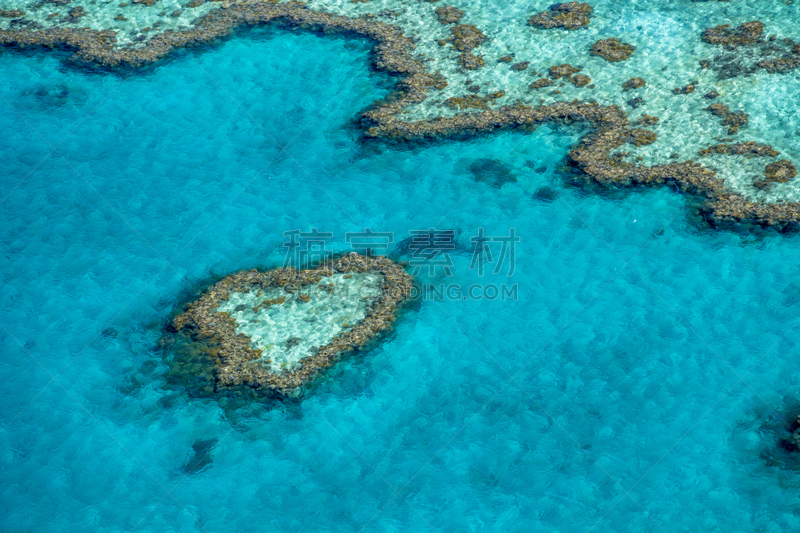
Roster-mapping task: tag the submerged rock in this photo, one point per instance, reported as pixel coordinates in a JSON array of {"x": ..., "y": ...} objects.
[
  {"x": 546, "y": 194},
  {"x": 569, "y": 16},
  {"x": 688, "y": 89},
  {"x": 273, "y": 332},
  {"x": 201, "y": 456}
]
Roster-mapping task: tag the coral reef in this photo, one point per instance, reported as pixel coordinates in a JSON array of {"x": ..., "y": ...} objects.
[
  {"x": 466, "y": 37},
  {"x": 238, "y": 364},
  {"x": 612, "y": 50},
  {"x": 580, "y": 80},
  {"x": 472, "y": 101},
  {"x": 747, "y": 33},
  {"x": 470, "y": 61},
  {"x": 749, "y": 148},
  {"x": 733, "y": 119},
  {"x": 541, "y": 83},
  {"x": 633, "y": 83},
  {"x": 448, "y": 14},
  {"x": 777, "y": 172},
  {"x": 562, "y": 71},
  {"x": 569, "y": 16},
  {"x": 394, "y": 53}
]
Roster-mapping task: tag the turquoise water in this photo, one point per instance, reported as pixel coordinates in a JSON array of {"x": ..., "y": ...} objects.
[{"x": 635, "y": 385}]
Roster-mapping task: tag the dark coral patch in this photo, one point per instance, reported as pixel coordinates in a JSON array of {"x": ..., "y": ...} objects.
[
  {"x": 723, "y": 35},
  {"x": 633, "y": 83},
  {"x": 562, "y": 71},
  {"x": 472, "y": 101},
  {"x": 749, "y": 148},
  {"x": 466, "y": 37},
  {"x": 470, "y": 61},
  {"x": 449, "y": 14},
  {"x": 612, "y": 49},
  {"x": 541, "y": 83},
  {"x": 778, "y": 172},
  {"x": 580, "y": 80},
  {"x": 494, "y": 172},
  {"x": 733, "y": 119},
  {"x": 568, "y": 16}
]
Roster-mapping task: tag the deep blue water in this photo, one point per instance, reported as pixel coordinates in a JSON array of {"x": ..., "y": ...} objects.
[{"x": 635, "y": 384}]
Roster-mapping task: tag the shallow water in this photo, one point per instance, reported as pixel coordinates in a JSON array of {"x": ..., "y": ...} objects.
[
  {"x": 634, "y": 385},
  {"x": 289, "y": 329}
]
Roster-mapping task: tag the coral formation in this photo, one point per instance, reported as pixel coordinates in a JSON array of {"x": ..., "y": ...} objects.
[
  {"x": 747, "y": 33},
  {"x": 394, "y": 54},
  {"x": 633, "y": 83},
  {"x": 580, "y": 80},
  {"x": 733, "y": 119},
  {"x": 562, "y": 71},
  {"x": 541, "y": 83},
  {"x": 749, "y": 148},
  {"x": 448, "y": 14},
  {"x": 641, "y": 137},
  {"x": 612, "y": 50},
  {"x": 237, "y": 360},
  {"x": 472, "y": 101},
  {"x": 777, "y": 172},
  {"x": 569, "y": 16},
  {"x": 470, "y": 61},
  {"x": 466, "y": 37}
]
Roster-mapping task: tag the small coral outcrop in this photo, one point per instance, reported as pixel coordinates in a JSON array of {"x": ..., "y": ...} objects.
[
  {"x": 449, "y": 14},
  {"x": 723, "y": 35},
  {"x": 778, "y": 172},
  {"x": 568, "y": 16},
  {"x": 272, "y": 332},
  {"x": 612, "y": 50}
]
